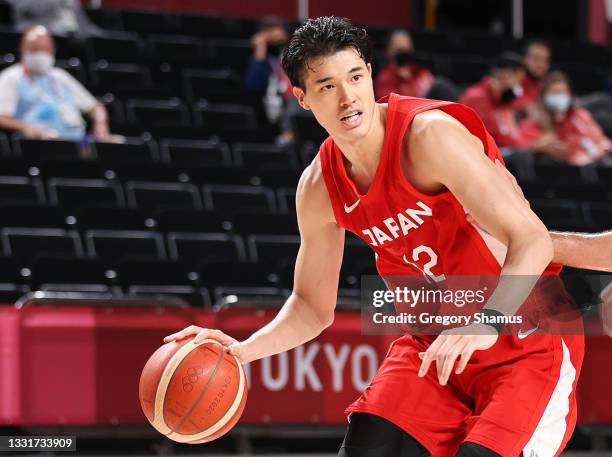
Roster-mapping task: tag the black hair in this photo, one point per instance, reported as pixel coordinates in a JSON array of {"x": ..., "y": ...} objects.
[
  {"x": 508, "y": 61},
  {"x": 320, "y": 37}
]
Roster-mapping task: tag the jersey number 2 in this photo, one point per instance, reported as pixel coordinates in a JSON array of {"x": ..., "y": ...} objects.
[{"x": 420, "y": 254}]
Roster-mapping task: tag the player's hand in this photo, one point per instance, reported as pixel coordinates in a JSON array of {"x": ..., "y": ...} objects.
[
  {"x": 460, "y": 342},
  {"x": 233, "y": 345}
]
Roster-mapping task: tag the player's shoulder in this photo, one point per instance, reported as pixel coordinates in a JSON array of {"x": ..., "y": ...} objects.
[{"x": 433, "y": 124}]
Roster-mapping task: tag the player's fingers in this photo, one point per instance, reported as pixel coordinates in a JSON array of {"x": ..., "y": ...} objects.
[
  {"x": 449, "y": 362},
  {"x": 466, "y": 355},
  {"x": 213, "y": 334},
  {"x": 430, "y": 354},
  {"x": 187, "y": 331},
  {"x": 445, "y": 351},
  {"x": 236, "y": 350}
]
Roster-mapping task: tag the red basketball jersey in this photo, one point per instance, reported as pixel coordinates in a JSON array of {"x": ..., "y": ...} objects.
[{"x": 411, "y": 232}]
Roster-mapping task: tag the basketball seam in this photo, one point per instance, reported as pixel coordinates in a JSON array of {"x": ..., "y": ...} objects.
[{"x": 197, "y": 400}]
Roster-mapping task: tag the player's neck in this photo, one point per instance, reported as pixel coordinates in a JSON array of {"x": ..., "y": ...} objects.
[{"x": 363, "y": 155}]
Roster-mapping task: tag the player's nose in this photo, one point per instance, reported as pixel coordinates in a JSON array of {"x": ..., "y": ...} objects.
[{"x": 347, "y": 95}]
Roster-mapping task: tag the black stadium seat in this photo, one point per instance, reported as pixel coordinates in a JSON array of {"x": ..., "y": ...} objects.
[
  {"x": 222, "y": 175},
  {"x": 31, "y": 215},
  {"x": 195, "y": 248},
  {"x": 78, "y": 193},
  {"x": 253, "y": 222},
  {"x": 157, "y": 112},
  {"x": 66, "y": 270},
  {"x": 143, "y": 271},
  {"x": 45, "y": 149},
  {"x": 238, "y": 198},
  {"x": 264, "y": 157},
  {"x": 26, "y": 244},
  {"x": 198, "y": 84},
  {"x": 111, "y": 246},
  {"x": 119, "y": 77},
  {"x": 225, "y": 116},
  {"x": 278, "y": 250},
  {"x": 19, "y": 189},
  {"x": 228, "y": 274},
  {"x": 112, "y": 218},
  {"x": 183, "y": 220},
  {"x": 117, "y": 47},
  {"x": 132, "y": 151},
  {"x": 193, "y": 152},
  {"x": 152, "y": 196}
]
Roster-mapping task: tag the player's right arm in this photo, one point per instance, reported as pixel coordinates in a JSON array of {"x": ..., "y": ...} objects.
[{"x": 310, "y": 308}]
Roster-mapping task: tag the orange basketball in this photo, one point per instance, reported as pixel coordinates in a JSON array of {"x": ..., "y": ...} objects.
[{"x": 192, "y": 393}]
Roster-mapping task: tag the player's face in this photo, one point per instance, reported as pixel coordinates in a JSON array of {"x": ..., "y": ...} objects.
[{"x": 338, "y": 90}]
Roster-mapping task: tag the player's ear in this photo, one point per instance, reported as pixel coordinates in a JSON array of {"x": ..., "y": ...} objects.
[
  {"x": 299, "y": 94},
  {"x": 369, "y": 66}
]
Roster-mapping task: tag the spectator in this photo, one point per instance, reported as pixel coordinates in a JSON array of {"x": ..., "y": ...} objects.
[
  {"x": 264, "y": 73},
  {"x": 42, "y": 101},
  {"x": 494, "y": 97},
  {"x": 536, "y": 59},
  {"x": 402, "y": 75},
  {"x": 60, "y": 17},
  {"x": 579, "y": 138}
]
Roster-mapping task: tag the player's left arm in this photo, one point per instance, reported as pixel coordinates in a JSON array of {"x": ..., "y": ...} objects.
[{"x": 441, "y": 148}]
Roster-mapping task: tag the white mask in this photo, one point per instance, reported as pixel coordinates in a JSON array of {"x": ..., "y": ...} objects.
[
  {"x": 39, "y": 62},
  {"x": 559, "y": 103}
]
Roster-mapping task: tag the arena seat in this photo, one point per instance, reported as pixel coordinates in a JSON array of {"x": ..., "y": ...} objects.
[
  {"x": 158, "y": 112},
  {"x": 194, "y": 152},
  {"x": 76, "y": 193},
  {"x": 152, "y": 196},
  {"x": 260, "y": 156},
  {"x": 199, "y": 84},
  {"x": 112, "y": 218},
  {"x": 120, "y": 77},
  {"x": 117, "y": 47},
  {"x": 132, "y": 151},
  {"x": 31, "y": 215},
  {"x": 111, "y": 246},
  {"x": 45, "y": 149},
  {"x": 26, "y": 244},
  {"x": 20, "y": 189},
  {"x": 144, "y": 271},
  {"x": 286, "y": 200},
  {"x": 65, "y": 271},
  {"x": 183, "y": 220},
  {"x": 223, "y": 175},
  {"x": 255, "y": 222},
  {"x": 75, "y": 168},
  {"x": 275, "y": 250},
  {"x": 225, "y": 116},
  {"x": 555, "y": 213},
  {"x": 193, "y": 248},
  {"x": 144, "y": 172},
  {"x": 238, "y": 198}
]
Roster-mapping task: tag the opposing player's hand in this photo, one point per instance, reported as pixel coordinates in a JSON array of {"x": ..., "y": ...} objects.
[
  {"x": 457, "y": 343},
  {"x": 201, "y": 334}
]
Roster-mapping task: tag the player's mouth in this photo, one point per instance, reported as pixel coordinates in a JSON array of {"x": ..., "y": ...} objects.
[{"x": 352, "y": 119}]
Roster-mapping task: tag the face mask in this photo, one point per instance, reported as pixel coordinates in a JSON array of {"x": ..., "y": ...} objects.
[
  {"x": 559, "y": 103},
  {"x": 402, "y": 58},
  {"x": 39, "y": 62}
]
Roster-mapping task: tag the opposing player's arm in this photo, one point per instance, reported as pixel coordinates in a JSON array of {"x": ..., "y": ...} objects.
[
  {"x": 310, "y": 308},
  {"x": 444, "y": 151}
]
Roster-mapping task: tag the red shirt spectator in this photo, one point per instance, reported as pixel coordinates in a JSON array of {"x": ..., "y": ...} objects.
[
  {"x": 412, "y": 80},
  {"x": 584, "y": 140},
  {"x": 536, "y": 59},
  {"x": 581, "y": 138},
  {"x": 498, "y": 115}
]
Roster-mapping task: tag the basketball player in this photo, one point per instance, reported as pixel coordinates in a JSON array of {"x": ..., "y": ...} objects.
[{"x": 489, "y": 395}]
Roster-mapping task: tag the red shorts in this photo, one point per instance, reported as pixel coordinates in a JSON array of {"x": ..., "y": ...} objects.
[{"x": 518, "y": 396}]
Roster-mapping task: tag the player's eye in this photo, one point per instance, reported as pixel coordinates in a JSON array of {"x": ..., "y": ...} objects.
[
  {"x": 356, "y": 77},
  {"x": 327, "y": 87}
]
